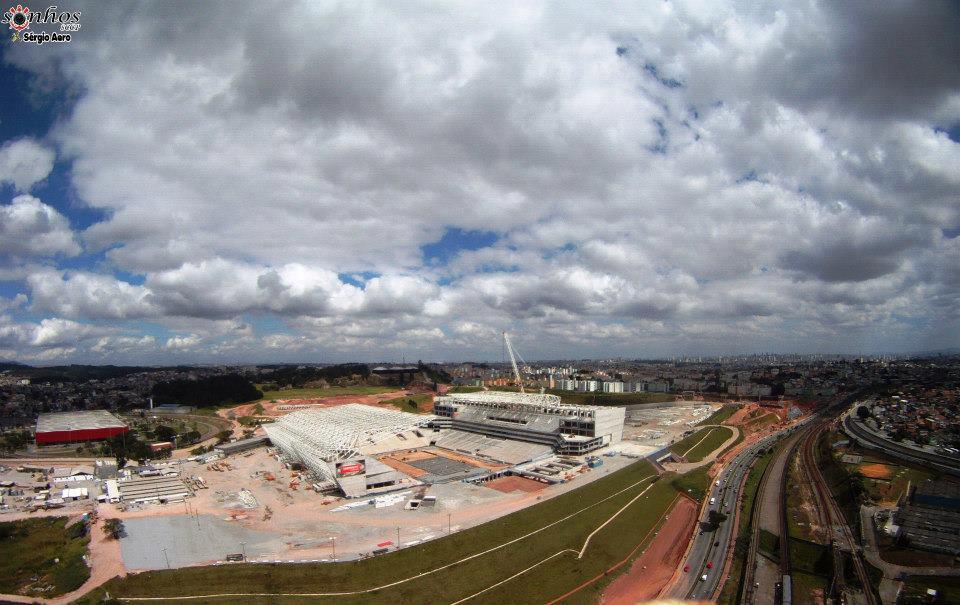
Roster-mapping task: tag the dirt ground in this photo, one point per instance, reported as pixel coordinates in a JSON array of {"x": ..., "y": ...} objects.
[
  {"x": 273, "y": 408},
  {"x": 751, "y": 411},
  {"x": 400, "y": 460},
  {"x": 513, "y": 484},
  {"x": 302, "y": 523},
  {"x": 654, "y": 568},
  {"x": 401, "y": 465},
  {"x": 875, "y": 471}
]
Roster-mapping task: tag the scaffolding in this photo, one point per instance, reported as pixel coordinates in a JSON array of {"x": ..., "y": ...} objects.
[{"x": 319, "y": 437}]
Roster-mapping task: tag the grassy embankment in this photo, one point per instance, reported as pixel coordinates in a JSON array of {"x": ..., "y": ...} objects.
[
  {"x": 45, "y": 549},
  {"x": 327, "y": 392},
  {"x": 700, "y": 444},
  {"x": 761, "y": 421},
  {"x": 720, "y": 415},
  {"x": 695, "y": 483},
  {"x": 561, "y": 574},
  {"x": 418, "y": 404}
]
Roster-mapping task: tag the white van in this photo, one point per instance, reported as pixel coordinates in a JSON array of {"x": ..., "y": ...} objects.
[{"x": 713, "y": 500}]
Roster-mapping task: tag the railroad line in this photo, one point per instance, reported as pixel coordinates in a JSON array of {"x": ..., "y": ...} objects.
[{"x": 833, "y": 517}]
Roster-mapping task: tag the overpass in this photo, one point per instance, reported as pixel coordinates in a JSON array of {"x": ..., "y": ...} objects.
[{"x": 871, "y": 440}]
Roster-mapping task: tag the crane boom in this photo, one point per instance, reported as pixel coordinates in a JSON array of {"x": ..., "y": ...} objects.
[{"x": 513, "y": 361}]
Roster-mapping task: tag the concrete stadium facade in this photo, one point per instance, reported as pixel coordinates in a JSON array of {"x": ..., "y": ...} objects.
[{"x": 534, "y": 418}]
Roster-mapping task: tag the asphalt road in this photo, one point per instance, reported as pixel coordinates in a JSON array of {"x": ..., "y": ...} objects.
[{"x": 710, "y": 547}]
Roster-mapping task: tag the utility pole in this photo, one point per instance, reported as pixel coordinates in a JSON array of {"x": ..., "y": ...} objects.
[
  {"x": 243, "y": 549},
  {"x": 449, "y": 523},
  {"x": 333, "y": 541},
  {"x": 398, "y": 536},
  {"x": 165, "y": 557}
]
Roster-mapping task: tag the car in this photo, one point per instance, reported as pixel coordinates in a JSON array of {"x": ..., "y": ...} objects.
[
  {"x": 717, "y": 543},
  {"x": 686, "y": 568},
  {"x": 703, "y": 578},
  {"x": 709, "y": 564}
]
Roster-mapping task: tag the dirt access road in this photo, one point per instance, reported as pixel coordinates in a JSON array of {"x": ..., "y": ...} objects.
[{"x": 651, "y": 571}]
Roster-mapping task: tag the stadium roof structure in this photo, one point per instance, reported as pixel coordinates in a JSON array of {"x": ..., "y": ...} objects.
[
  {"x": 78, "y": 421},
  {"x": 317, "y": 437},
  {"x": 531, "y": 399}
]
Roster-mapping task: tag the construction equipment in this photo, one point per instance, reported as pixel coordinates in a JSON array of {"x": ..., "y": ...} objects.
[{"x": 513, "y": 361}]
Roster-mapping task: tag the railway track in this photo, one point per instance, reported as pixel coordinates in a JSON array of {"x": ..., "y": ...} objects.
[
  {"x": 831, "y": 515},
  {"x": 788, "y": 449}
]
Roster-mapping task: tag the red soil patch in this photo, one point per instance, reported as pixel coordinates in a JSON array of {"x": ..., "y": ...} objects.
[
  {"x": 491, "y": 466},
  {"x": 403, "y": 467},
  {"x": 740, "y": 415},
  {"x": 272, "y": 408},
  {"x": 513, "y": 484},
  {"x": 875, "y": 471},
  {"x": 654, "y": 568}
]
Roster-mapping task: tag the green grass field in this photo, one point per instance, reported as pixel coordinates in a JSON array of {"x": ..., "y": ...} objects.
[
  {"x": 762, "y": 421},
  {"x": 806, "y": 587},
  {"x": 327, "y": 392},
  {"x": 700, "y": 444},
  {"x": 28, "y": 549},
  {"x": 720, "y": 415},
  {"x": 603, "y": 498},
  {"x": 915, "y": 588},
  {"x": 418, "y": 404},
  {"x": 695, "y": 483},
  {"x": 465, "y": 389}
]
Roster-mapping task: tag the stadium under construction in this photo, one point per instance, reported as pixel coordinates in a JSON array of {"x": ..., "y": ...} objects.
[{"x": 361, "y": 450}]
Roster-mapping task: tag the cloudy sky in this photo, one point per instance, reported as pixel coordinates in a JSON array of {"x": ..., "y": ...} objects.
[{"x": 362, "y": 181}]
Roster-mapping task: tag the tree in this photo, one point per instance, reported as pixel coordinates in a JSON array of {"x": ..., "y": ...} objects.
[
  {"x": 258, "y": 409},
  {"x": 165, "y": 433},
  {"x": 224, "y": 436},
  {"x": 863, "y": 413},
  {"x": 128, "y": 447},
  {"x": 190, "y": 437},
  {"x": 113, "y": 528},
  {"x": 118, "y": 447}
]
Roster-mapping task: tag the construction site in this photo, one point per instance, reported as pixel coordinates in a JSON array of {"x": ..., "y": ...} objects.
[{"x": 339, "y": 480}]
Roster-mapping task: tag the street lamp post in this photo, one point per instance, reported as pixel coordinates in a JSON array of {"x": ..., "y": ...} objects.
[
  {"x": 243, "y": 549},
  {"x": 333, "y": 541},
  {"x": 165, "y": 558}
]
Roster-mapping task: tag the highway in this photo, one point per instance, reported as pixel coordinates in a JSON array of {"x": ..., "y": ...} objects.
[{"x": 712, "y": 547}]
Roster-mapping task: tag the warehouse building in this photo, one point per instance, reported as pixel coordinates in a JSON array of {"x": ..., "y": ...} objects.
[{"x": 75, "y": 427}]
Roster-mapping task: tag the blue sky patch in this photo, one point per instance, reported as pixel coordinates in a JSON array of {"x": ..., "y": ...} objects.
[{"x": 455, "y": 241}]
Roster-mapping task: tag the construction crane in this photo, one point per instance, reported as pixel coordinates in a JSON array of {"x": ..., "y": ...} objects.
[{"x": 513, "y": 361}]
